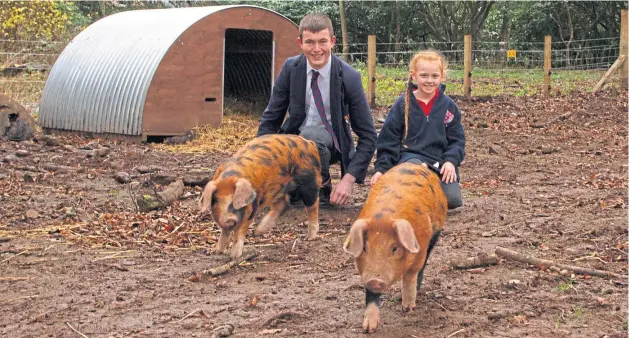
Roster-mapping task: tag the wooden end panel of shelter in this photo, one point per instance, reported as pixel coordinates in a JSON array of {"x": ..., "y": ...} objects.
[{"x": 187, "y": 89}]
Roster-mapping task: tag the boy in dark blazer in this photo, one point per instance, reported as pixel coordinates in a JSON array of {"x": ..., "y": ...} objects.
[{"x": 325, "y": 101}]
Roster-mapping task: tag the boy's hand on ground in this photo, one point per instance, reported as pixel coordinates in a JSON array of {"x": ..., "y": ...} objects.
[
  {"x": 448, "y": 173},
  {"x": 342, "y": 191},
  {"x": 375, "y": 178}
]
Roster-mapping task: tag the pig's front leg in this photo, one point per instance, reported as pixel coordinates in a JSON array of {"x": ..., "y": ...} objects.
[
  {"x": 239, "y": 239},
  {"x": 409, "y": 290},
  {"x": 372, "y": 312},
  {"x": 313, "y": 220},
  {"x": 269, "y": 219},
  {"x": 223, "y": 241}
]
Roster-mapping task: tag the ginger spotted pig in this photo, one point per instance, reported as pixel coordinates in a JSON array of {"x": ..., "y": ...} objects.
[
  {"x": 395, "y": 233},
  {"x": 261, "y": 174}
]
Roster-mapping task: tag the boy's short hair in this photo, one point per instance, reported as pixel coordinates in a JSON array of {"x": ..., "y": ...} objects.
[{"x": 315, "y": 22}]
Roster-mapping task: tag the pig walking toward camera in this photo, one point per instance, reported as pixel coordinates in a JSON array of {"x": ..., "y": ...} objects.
[
  {"x": 261, "y": 174},
  {"x": 395, "y": 233}
]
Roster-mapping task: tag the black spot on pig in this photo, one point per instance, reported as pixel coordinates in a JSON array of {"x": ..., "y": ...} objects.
[
  {"x": 230, "y": 173},
  {"x": 266, "y": 161},
  {"x": 259, "y": 146},
  {"x": 405, "y": 171}
]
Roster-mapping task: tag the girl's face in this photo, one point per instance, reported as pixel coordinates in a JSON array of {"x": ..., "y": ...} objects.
[{"x": 428, "y": 75}]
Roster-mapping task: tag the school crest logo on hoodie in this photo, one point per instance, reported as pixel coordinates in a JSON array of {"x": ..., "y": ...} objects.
[{"x": 449, "y": 117}]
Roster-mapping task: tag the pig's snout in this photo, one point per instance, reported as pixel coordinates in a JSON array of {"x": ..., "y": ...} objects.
[
  {"x": 229, "y": 222},
  {"x": 376, "y": 285}
]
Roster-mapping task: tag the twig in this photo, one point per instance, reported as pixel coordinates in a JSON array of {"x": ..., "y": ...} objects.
[
  {"x": 293, "y": 248},
  {"x": 154, "y": 188},
  {"x": 219, "y": 270},
  {"x": 592, "y": 256},
  {"x": 177, "y": 228},
  {"x": 189, "y": 314},
  {"x": 59, "y": 168},
  {"x": 455, "y": 333},
  {"x": 481, "y": 260},
  {"x": 77, "y": 331},
  {"x": 133, "y": 198},
  {"x": 544, "y": 264},
  {"x": 222, "y": 331},
  {"x": 280, "y": 315},
  {"x": 112, "y": 256},
  {"x": 23, "y": 252},
  {"x": 553, "y": 120},
  {"x": 13, "y": 279},
  {"x": 18, "y": 298}
]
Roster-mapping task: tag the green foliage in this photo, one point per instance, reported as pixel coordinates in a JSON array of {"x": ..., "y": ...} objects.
[{"x": 33, "y": 20}]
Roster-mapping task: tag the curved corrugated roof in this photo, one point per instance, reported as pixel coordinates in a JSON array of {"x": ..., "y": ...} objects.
[{"x": 100, "y": 81}]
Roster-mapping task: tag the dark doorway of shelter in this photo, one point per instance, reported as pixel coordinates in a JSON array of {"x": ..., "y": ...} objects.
[{"x": 248, "y": 71}]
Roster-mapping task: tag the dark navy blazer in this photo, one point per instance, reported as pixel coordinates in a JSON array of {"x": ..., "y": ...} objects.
[{"x": 348, "y": 105}]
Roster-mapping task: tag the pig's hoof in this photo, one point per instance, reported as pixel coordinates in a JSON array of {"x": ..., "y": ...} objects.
[
  {"x": 408, "y": 307},
  {"x": 311, "y": 237},
  {"x": 263, "y": 228},
  {"x": 260, "y": 232},
  {"x": 372, "y": 319},
  {"x": 236, "y": 254}
]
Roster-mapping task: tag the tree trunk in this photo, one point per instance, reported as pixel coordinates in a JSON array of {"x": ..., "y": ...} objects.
[
  {"x": 504, "y": 30},
  {"x": 397, "y": 26},
  {"x": 571, "y": 34}
]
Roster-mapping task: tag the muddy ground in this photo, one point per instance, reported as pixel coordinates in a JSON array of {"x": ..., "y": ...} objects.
[{"x": 77, "y": 259}]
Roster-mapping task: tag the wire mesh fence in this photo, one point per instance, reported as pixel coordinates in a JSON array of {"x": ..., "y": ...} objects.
[
  {"x": 25, "y": 64},
  {"x": 576, "y": 55}
]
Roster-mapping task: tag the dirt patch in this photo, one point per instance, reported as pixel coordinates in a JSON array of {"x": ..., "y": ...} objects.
[{"x": 75, "y": 254}]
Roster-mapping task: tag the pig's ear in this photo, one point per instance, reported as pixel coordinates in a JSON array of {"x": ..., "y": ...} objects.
[
  {"x": 355, "y": 242},
  {"x": 244, "y": 194},
  {"x": 206, "y": 197},
  {"x": 405, "y": 235}
]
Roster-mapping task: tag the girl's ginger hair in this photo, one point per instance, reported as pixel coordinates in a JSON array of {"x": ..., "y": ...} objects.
[{"x": 426, "y": 55}]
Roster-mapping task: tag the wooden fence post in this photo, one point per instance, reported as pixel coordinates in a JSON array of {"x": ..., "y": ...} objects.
[
  {"x": 467, "y": 66},
  {"x": 547, "y": 63},
  {"x": 344, "y": 32},
  {"x": 623, "y": 49},
  {"x": 371, "y": 70}
]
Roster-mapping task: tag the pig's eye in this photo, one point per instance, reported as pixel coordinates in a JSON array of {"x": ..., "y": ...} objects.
[{"x": 394, "y": 250}]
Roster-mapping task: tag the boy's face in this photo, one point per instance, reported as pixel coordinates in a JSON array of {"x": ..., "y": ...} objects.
[
  {"x": 428, "y": 75},
  {"x": 317, "y": 47}
]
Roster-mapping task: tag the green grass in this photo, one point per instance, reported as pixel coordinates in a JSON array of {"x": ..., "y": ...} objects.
[
  {"x": 578, "y": 312},
  {"x": 565, "y": 286},
  {"x": 490, "y": 82},
  {"x": 24, "y": 88}
]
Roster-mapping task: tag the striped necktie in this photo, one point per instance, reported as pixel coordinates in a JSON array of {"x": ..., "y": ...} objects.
[{"x": 316, "y": 93}]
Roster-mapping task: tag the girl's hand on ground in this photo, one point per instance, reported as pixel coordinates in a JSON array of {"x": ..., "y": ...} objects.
[
  {"x": 448, "y": 174},
  {"x": 375, "y": 178}
]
